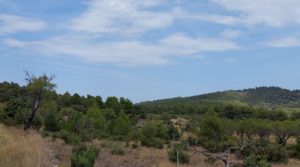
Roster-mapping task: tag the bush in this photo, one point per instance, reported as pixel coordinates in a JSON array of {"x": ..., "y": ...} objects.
[
  {"x": 179, "y": 151},
  {"x": 256, "y": 161},
  {"x": 84, "y": 156},
  {"x": 134, "y": 146},
  {"x": 117, "y": 150},
  {"x": 277, "y": 153},
  {"x": 272, "y": 152},
  {"x": 51, "y": 121},
  {"x": 294, "y": 150},
  {"x": 153, "y": 142},
  {"x": 153, "y": 134},
  {"x": 68, "y": 137}
]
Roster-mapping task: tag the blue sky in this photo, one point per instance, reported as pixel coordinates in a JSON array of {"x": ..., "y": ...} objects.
[{"x": 152, "y": 49}]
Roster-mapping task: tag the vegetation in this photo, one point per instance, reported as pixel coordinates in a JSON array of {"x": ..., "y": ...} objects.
[
  {"x": 84, "y": 156},
  {"x": 252, "y": 124}
]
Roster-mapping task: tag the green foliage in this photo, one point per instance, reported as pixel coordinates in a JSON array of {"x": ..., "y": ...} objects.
[
  {"x": 121, "y": 125},
  {"x": 172, "y": 133},
  {"x": 113, "y": 102},
  {"x": 271, "y": 152},
  {"x": 295, "y": 115},
  {"x": 16, "y": 110},
  {"x": 179, "y": 152},
  {"x": 51, "y": 121},
  {"x": 117, "y": 150},
  {"x": 153, "y": 134},
  {"x": 211, "y": 131},
  {"x": 84, "y": 156},
  {"x": 294, "y": 150},
  {"x": 284, "y": 130},
  {"x": 256, "y": 161},
  {"x": 95, "y": 114},
  {"x": 69, "y": 138}
]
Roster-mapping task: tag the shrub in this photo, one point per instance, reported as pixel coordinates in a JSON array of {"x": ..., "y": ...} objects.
[
  {"x": 277, "y": 153},
  {"x": 51, "y": 121},
  {"x": 117, "y": 150},
  {"x": 256, "y": 161},
  {"x": 153, "y": 134},
  {"x": 134, "y": 146},
  {"x": 68, "y": 137},
  {"x": 294, "y": 150},
  {"x": 153, "y": 142},
  {"x": 84, "y": 156},
  {"x": 179, "y": 151},
  {"x": 272, "y": 152}
]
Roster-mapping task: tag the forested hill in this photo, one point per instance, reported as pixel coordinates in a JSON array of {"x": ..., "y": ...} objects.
[{"x": 269, "y": 97}]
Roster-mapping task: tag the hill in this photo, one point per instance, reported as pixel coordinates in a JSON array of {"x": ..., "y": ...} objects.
[{"x": 268, "y": 97}]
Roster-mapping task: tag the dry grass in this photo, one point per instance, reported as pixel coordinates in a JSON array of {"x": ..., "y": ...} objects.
[
  {"x": 21, "y": 149},
  {"x": 142, "y": 157}
]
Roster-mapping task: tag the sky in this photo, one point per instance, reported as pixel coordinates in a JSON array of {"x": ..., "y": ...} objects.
[{"x": 152, "y": 49}]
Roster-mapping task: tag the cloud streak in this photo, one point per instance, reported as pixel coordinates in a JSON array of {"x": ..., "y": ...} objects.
[
  {"x": 125, "y": 53},
  {"x": 10, "y": 24}
]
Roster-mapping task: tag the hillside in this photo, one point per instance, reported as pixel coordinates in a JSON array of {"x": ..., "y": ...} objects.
[{"x": 269, "y": 97}]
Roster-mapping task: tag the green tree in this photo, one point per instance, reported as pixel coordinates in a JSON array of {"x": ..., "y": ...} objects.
[
  {"x": 284, "y": 130},
  {"x": 122, "y": 125},
  {"x": 96, "y": 114},
  {"x": 51, "y": 121},
  {"x": 113, "y": 102},
  {"x": 211, "y": 131}
]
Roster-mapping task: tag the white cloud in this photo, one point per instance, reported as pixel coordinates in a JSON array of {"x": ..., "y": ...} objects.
[
  {"x": 270, "y": 12},
  {"x": 231, "y": 34},
  {"x": 283, "y": 42},
  {"x": 13, "y": 24},
  {"x": 126, "y": 53},
  {"x": 125, "y": 16}
]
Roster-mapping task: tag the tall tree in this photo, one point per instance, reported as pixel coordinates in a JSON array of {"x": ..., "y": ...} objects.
[{"x": 37, "y": 86}]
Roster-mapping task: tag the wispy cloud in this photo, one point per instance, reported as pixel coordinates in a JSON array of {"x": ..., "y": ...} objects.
[
  {"x": 126, "y": 16},
  {"x": 125, "y": 53},
  {"x": 283, "y": 42},
  {"x": 274, "y": 13},
  {"x": 10, "y": 24}
]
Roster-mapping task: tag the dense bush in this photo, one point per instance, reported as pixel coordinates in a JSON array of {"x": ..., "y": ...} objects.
[
  {"x": 51, "y": 121},
  {"x": 256, "y": 161},
  {"x": 84, "y": 156},
  {"x": 153, "y": 134},
  {"x": 272, "y": 152},
  {"x": 152, "y": 142}
]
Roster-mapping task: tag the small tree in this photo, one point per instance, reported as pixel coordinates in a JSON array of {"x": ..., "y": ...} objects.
[{"x": 284, "y": 130}]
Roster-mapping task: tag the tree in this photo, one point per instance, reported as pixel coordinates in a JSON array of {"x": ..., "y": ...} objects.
[
  {"x": 126, "y": 105},
  {"x": 211, "y": 131},
  {"x": 113, "y": 102},
  {"x": 122, "y": 125},
  {"x": 51, "y": 121},
  {"x": 96, "y": 114},
  {"x": 284, "y": 130},
  {"x": 37, "y": 86}
]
